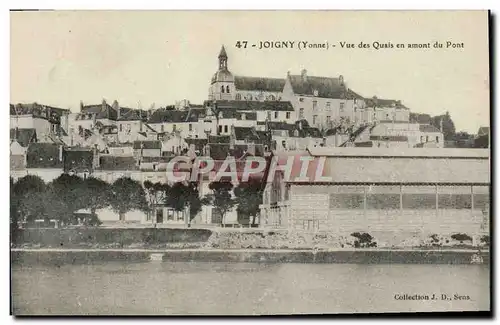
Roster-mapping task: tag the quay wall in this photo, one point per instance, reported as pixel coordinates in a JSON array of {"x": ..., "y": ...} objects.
[{"x": 375, "y": 256}]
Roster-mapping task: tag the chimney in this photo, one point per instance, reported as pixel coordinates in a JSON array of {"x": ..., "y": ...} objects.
[
  {"x": 116, "y": 107},
  {"x": 251, "y": 149},
  {"x": 303, "y": 74},
  {"x": 81, "y": 106},
  {"x": 95, "y": 157},
  {"x": 207, "y": 150},
  {"x": 232, "y": 138}
]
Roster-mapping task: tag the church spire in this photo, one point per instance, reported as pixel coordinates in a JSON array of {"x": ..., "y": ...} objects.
[{"x": 222, "y": 59}]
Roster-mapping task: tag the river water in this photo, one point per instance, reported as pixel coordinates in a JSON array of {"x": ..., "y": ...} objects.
[{"x": 158, "y": 288}]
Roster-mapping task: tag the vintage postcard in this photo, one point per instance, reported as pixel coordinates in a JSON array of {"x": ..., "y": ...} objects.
[{"x": 249, "y": 162}]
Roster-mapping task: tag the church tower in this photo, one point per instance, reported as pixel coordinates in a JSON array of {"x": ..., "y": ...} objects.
[{"x": 222, "y": 84}]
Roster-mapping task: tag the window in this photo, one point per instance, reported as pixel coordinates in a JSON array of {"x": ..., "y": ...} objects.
[
  {"x": 222, "y": 89},
  {"x": 383, "y": 197},
  {"x": 238, "y": 96},
  {"x": 275, "y": 115},
  {"x": 174, "y": 128},
  {"x": 269, "y": 115},
  {"x": 283, "y": 144},
  {"x": 227, "y": 89},
  {"x": 220, "y": 128},
  {"x": 328, "y": 119},
  {"x": 190, "y": 127},
  {"x": 121, "y": 127},
  {"x": 301, "y": 113},
  {"x": 419, "y": 197},
  {"x": 422, "y": 139},
  {"x": 426, "y": 138},
  {"x": 225, "y": 128},
  {"x": 347, "y": 197},
  {"x": 162, "y": 128},
  {"x": 315, "y": 117},
  {"x": 327, "y": 105},
  {"x": 271, "y": 97},
  {"x": 301, "y": 99},
  {"x": 341, "y": 107},
  {"x": 481, "y": 197},
  {"x": 437, "y": 139},
  {"x": 315, "y": 104},
  {"x": 288, "y": 115},
  {"x": 140, "y": 126},
  {"x": 454, "y": 197}
]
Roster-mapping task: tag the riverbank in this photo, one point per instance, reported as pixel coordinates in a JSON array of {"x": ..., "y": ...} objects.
[
  {"x": 352, "y": 256},
  {"x": 177, "y": 238}
]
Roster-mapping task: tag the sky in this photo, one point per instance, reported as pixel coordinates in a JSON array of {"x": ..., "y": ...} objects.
[{"x": 141, "y": 58}]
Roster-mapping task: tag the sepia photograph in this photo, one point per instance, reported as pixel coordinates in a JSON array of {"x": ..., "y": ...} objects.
[{"x": 243, "y": 163}]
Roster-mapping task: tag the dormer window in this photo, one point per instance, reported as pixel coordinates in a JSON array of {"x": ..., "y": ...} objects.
[
  {"x": 301, "y": 99},
  {"x": 315, "y": 93}
]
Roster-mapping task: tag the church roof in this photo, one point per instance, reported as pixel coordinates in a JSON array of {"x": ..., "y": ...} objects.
[
  {"x": 259, "y": 84},
  {"x": 223, "y": 75},
  {"x": 222, "y": 53}
]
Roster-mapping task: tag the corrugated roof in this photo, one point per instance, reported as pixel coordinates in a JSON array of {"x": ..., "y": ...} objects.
[
  {"x": 401, "y": 152},
  {"x": 259, "y": 83},
  {"x": 396, "y": 170}
]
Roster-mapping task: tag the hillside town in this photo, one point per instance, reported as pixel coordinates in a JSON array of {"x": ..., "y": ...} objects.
[{"x": 241, "y": 117}]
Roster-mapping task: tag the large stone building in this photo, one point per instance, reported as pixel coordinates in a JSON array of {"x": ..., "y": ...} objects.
[{"x": 320, "y": 100}]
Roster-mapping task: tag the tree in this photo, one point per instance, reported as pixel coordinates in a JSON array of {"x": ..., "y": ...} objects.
[
  {"x": 249, "y": 197},
  {"x": 27, "y": 193},
  {"x": 156, "y": 193},
  {"x": 448, "y": 127},
  {"x": 69, "y": 190},
  {"x": 14, "y": 211},
  {"x": 27, "y": 184},
  {"x": 221, "y": 198},
  {"x": 126, "y": 195},
  {"x": 184, "y": 195},
  {"x": 95, "y": 194}
]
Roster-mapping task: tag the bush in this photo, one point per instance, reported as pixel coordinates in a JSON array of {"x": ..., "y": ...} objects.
[
  {"x": 485, "y": 240},
  {"x": 461, "y": 237},
  {"x": 363, "y": 240}
]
